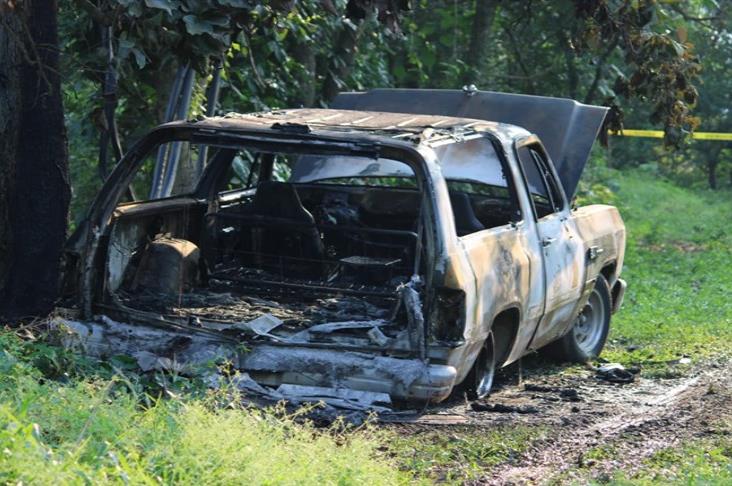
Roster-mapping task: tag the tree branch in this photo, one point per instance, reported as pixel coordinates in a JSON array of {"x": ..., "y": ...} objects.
[
  {"x": 520, "y": 61},
  {"x": 257, "y": 76},
  {"x": 690, "y": 17},
  {"x": 569, "y": 61}
]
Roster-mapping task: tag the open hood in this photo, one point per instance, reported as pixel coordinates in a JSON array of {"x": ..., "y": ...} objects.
[{"x": 567, "y": 128}]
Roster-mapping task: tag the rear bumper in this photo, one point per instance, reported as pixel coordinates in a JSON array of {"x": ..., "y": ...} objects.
[
  {"x": 405, "y": 379},
  {"x": 618, "y": 294},
  {"x": 267, "y": 364}
]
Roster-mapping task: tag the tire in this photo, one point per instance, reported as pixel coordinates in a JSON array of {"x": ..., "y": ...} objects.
[
  {"x": 479, "y": 381},
  {"x": 587, "y": 337}
]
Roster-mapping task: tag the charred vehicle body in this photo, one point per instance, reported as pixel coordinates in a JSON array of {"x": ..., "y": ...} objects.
[{"x": 399, "y": 244}]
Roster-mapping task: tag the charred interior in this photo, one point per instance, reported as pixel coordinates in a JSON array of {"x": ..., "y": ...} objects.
[
  {"x": 303, "y": 247},
  {"x": 334, "y": 256}
]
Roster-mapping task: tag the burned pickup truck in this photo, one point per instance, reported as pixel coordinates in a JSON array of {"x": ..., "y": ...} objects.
[{"x": 403, "y": 242}]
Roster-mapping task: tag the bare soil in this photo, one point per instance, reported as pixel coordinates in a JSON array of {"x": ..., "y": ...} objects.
[{"x": 582, "y": 415}]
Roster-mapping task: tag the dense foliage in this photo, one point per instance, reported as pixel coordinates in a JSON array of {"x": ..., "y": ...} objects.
[{"x": 658, "y": 64}]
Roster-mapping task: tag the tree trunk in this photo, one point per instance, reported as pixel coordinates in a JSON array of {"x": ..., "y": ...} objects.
[
  {"x": 9, "y": 107},
  {"x": 570, "y": 63},
  {"x": 485, "y": 12},
  {"x": 526, "y": 74},
  {"x": 712, "y": 156},
  {"x": 36, "y": 194},
  {"x": 304, "y": 53},
  {"x": 712, "y": 174}
]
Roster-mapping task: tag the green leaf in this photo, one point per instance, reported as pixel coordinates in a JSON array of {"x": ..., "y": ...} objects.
[
  {"x": 125, "y": 44},
  {"x": 160, "y": 4},
  {"x": 236, "y": 3},
  {"x": 197, "y": 26},
  {"x": 140, "y": 58},
  {"x": 678, "y": 48}
]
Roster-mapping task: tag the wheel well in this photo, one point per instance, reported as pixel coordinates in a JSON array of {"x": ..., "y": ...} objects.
[
  {"x": 505, "y": 327},
  {"x": 608, "y": 271}
]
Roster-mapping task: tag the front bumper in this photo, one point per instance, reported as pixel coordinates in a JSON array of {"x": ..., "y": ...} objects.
[{"x": 401, "y": 378}]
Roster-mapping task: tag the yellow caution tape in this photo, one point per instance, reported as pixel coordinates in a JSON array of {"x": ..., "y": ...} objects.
[
  {"x": 638, "y": 133},
  {"x": 712, "y": 136},
  {"x": 659, "y": 134}
]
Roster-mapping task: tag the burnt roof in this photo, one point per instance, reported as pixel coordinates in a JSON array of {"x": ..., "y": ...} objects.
[{"x": 394, "y": 125}]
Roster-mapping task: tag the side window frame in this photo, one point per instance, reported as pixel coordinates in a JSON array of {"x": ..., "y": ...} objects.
[
  {"x": 550, "y": 177},
  {"x": 547, "y": 172},
  {"x": 517, "y": 211}
]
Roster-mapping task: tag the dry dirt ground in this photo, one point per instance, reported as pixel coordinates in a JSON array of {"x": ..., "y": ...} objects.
[{"x": 580, "y": 413}]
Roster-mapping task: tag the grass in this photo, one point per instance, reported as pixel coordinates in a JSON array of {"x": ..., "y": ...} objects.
[
  {"x": 97, "y": 430},
  {"x": 678, "y": 268},
  {"x": 705, "y": 461},
  {"x": 456, "y": 456},
  {"x": 701, "y": 461},
  {"x": 64, "y": 420}
]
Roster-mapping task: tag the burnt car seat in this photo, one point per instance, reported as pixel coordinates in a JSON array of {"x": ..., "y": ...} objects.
[
  {"x": 465, "y": 220},
  {"x": 391, "y": 216},
  {"x": 289, "y": 228}
]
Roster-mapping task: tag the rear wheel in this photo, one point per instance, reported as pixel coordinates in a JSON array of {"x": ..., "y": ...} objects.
[
  {"x": 588, "y": 334},
  {"x": 479, "y": 381}
]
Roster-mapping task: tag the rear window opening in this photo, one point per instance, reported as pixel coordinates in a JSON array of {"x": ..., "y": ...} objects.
[{"x": 275, "y": 238}]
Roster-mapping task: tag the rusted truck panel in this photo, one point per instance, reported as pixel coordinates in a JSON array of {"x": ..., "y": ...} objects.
[{"x": 395, "y": 254}]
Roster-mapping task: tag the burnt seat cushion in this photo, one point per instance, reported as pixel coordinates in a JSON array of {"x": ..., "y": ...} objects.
[
  {"x": 390, "y": 208},
  {"x": 280, "y": 202},
  {"x": 465, "y": 220}
]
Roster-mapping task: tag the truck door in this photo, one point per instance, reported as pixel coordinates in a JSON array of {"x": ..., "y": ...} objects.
[{"x": 561, "y": 245}]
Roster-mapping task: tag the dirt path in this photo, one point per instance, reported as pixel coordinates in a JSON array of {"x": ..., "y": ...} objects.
[{"x": 581, "y": 413}]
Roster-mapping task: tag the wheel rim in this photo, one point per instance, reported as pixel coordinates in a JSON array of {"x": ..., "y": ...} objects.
[
  {"x": 485, "y": 369},
  {"x": 589, "y": 329}
]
